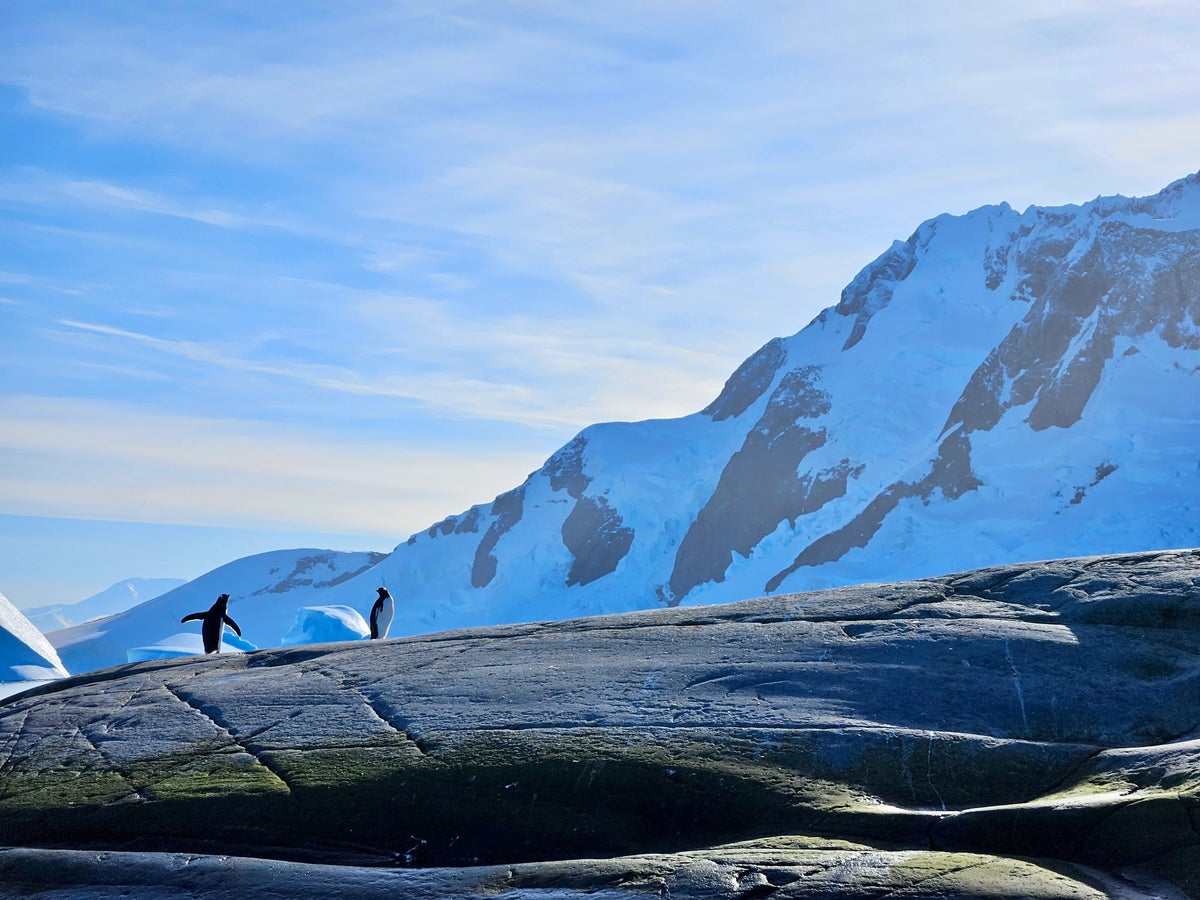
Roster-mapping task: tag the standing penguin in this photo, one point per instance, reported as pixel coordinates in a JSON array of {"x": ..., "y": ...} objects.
[
  {"x": 381, "y": 614},
  {"x": 214, "y": 624}
]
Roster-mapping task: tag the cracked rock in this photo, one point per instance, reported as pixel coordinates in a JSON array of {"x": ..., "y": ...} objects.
[{"x": 1023, "y": 731}]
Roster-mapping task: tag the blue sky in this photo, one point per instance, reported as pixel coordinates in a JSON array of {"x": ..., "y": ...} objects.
[{"x": 284, "y": 274}]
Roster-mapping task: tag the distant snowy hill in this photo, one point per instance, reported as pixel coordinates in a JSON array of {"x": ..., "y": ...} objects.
[
  {"x": 25, "y": 654},
  {"x": 1000, "y": 387},
  {"x": 119, "y": 597},
  {"x": 266, "y": 592}
]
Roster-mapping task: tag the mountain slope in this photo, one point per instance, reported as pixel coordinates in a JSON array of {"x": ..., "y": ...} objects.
[{"x": 1002, "y": 386}]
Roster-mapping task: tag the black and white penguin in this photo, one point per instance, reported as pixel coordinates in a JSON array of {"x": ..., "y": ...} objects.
[
  {"x": 214, "y": 624},
  {"x": 381, "y": 614}
]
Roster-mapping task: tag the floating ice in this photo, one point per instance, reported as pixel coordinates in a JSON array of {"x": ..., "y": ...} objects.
[{"x": 323, "y": 624}]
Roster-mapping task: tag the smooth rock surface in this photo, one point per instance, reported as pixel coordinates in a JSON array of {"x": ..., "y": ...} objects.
[
  {"x": 779, "y": 868},
  {"x": 1028, "y": 730}
]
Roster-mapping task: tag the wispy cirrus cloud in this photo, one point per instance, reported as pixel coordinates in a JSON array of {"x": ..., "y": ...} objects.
[
  {"x": 105, "y": 194},
  {"x": 488, "y": 377},
  {"x": 40, "y": 189}
]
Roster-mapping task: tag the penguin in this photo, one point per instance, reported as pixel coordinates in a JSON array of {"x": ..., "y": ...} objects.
[
  {"x": 214, "y": 624},
  {"x": 381, "y": 614}
]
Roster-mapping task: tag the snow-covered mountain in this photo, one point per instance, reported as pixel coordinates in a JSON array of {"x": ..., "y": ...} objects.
[
  {"x": 114, "y": 599},
  {"x": 1002, "y": 386},
  {"x": 25, "y": 654}
]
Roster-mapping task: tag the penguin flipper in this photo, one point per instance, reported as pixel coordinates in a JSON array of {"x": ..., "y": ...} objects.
[
  {"x": 234, "y": 625},
  {"x": 191, "y": 617}
]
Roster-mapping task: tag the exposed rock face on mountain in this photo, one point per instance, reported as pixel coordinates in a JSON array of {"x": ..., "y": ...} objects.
[{"x": 1022, "y": 731}]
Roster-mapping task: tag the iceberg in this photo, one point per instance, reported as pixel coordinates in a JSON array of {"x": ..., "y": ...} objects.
[
  {"x": 25, "y": 654},
  {"x": 324, "y": 624}
]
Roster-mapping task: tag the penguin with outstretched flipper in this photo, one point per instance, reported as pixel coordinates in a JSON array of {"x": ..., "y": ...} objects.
[
  {"x": 214, "y": 620},
  {"x": 381, "y": 614}
]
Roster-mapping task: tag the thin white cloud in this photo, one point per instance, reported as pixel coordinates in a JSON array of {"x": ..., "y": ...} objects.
[
  {"x": 45, "y": 190},
  {"x": 107, "y": 194},
  {"x": 503, "y": 370}
]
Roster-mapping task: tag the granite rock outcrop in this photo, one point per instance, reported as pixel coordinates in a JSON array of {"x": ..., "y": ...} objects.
[{"x": 1028, "y": 730}]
